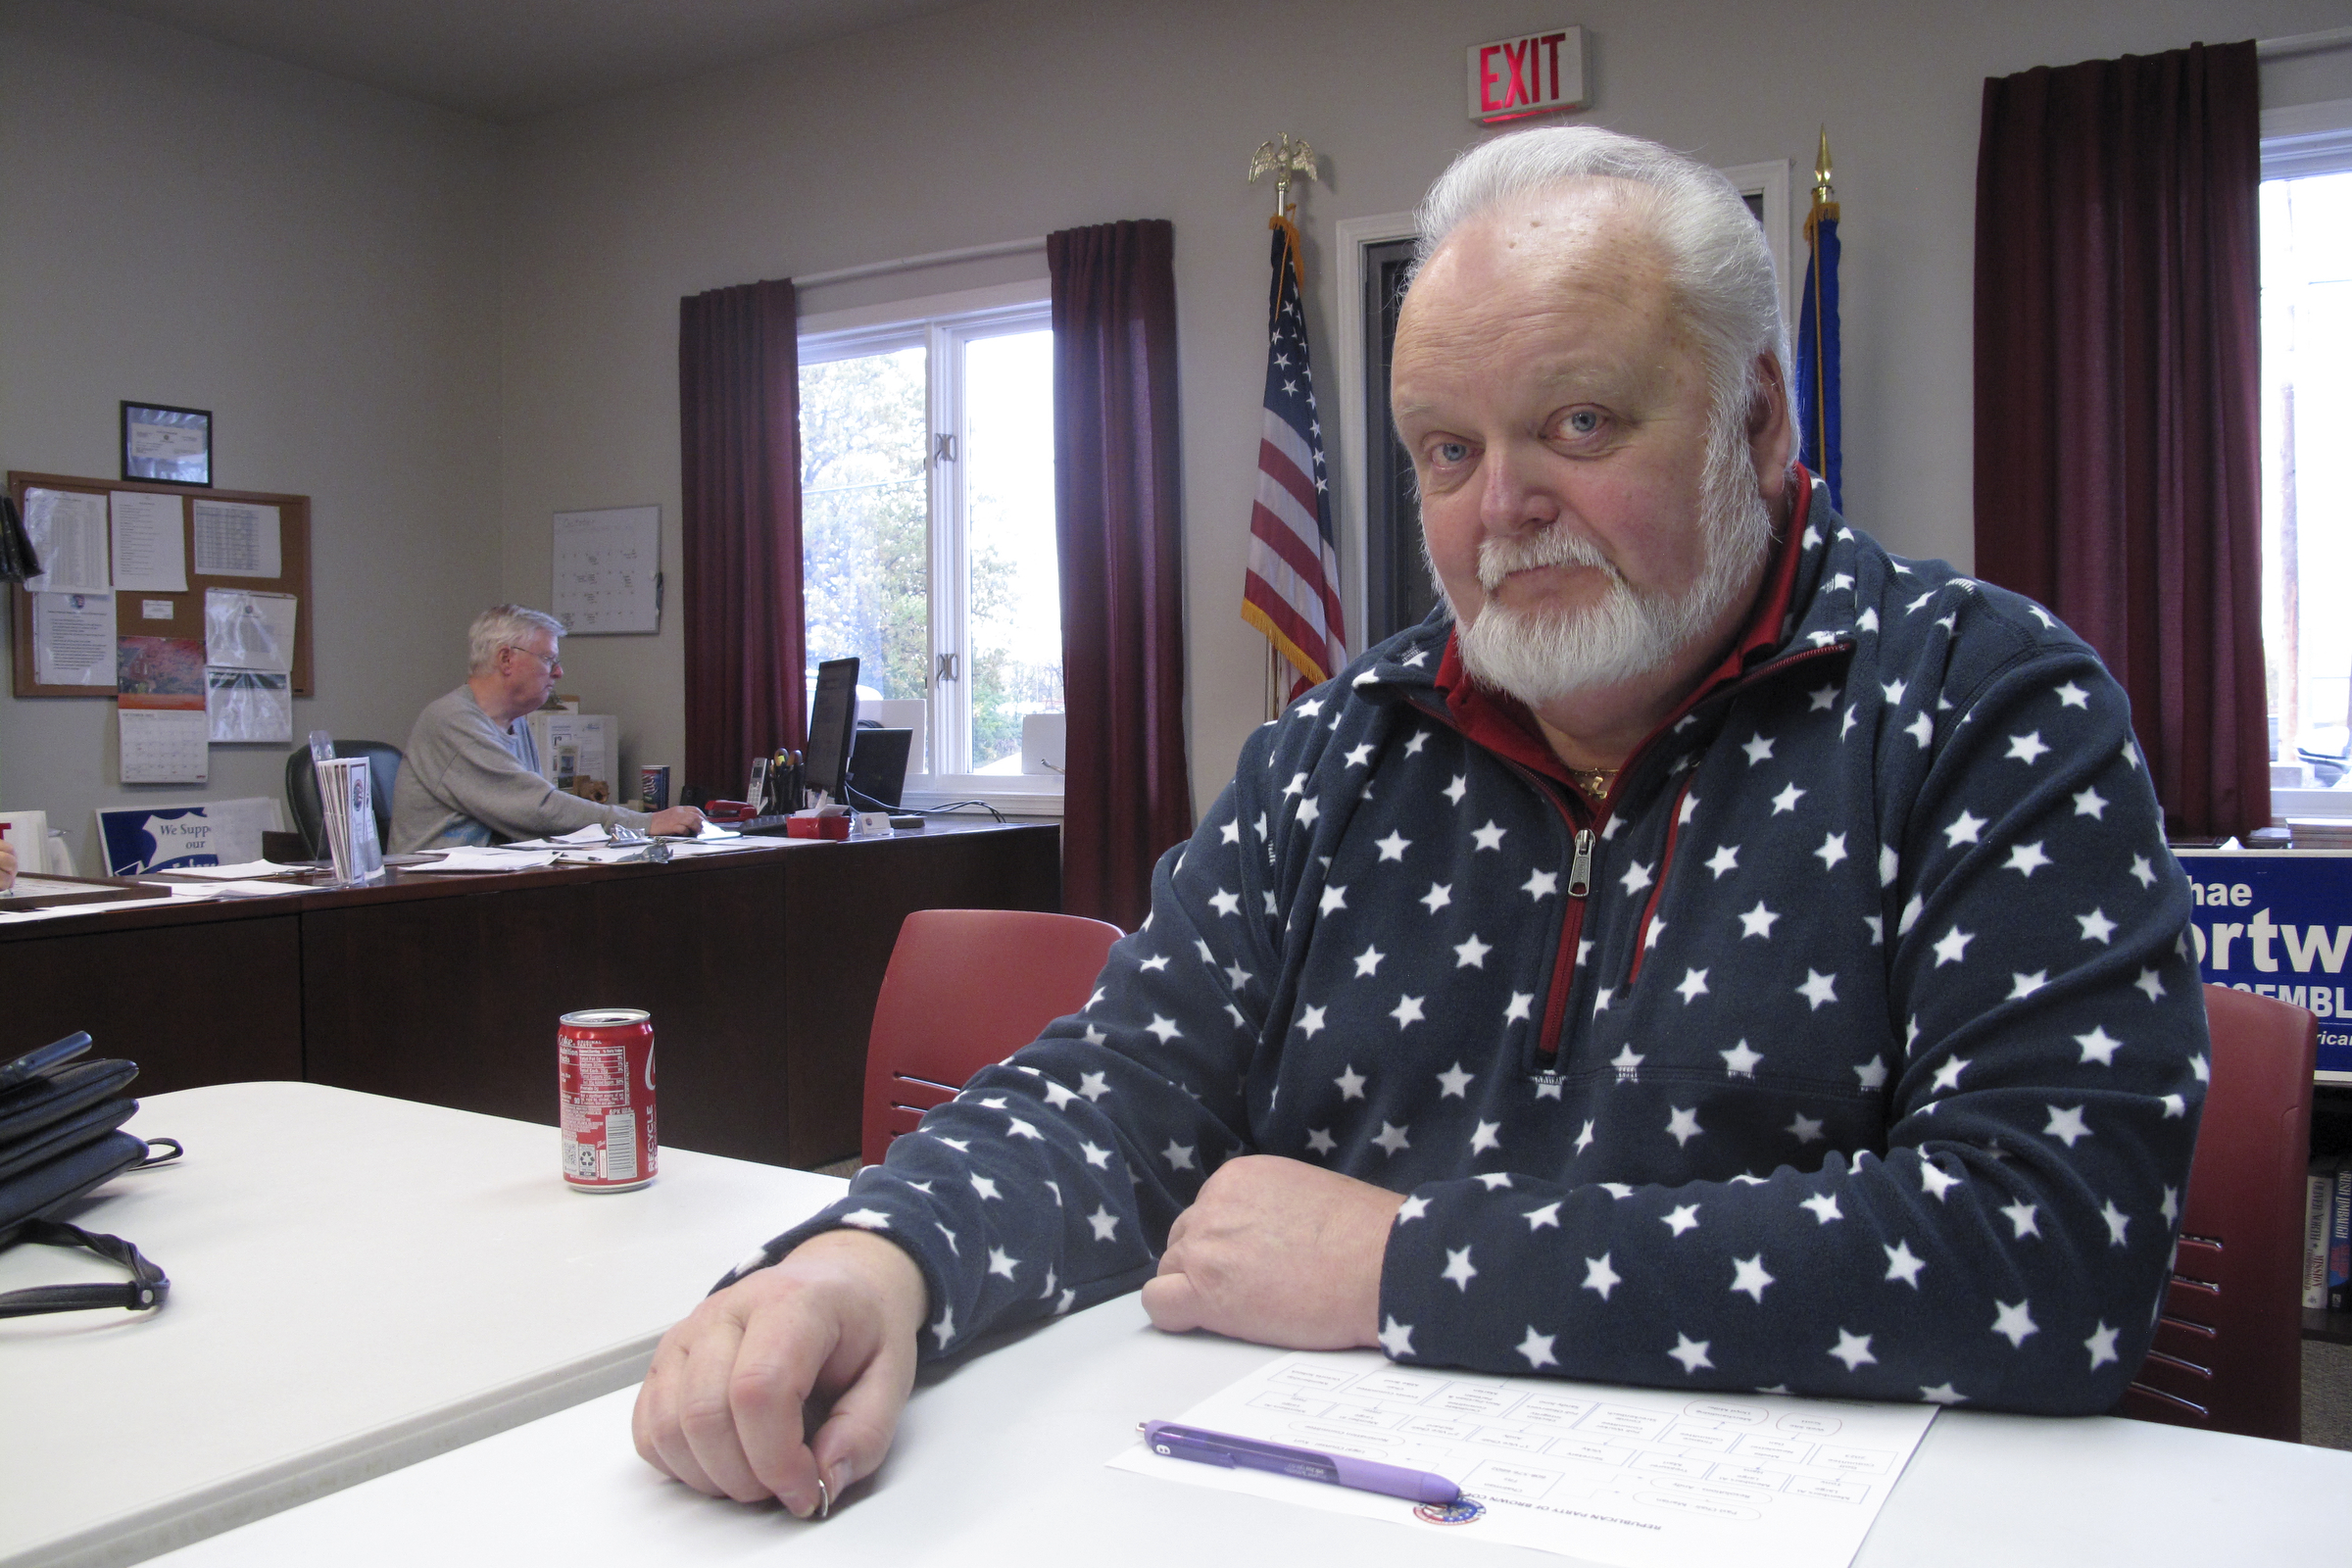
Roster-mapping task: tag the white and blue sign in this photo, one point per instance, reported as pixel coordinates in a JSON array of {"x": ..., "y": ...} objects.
[
  {"x": 2279, "y": 923},
  {"x": 138, "y": 839}
]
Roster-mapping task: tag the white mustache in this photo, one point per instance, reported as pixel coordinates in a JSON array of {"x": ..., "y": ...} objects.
[{"x": 1498, "y": 558}]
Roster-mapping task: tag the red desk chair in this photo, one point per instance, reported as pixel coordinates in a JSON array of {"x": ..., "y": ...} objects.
[
  {"x": 966, "y": 988},
  {"x": 2228, "y": 1350}
]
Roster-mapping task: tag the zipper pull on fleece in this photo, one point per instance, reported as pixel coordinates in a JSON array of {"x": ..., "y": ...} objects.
[{"x": 1580, "y": 870}]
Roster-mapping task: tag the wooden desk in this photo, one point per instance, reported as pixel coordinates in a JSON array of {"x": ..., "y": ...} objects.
[
  {"x": 760, "y": 968},
  {"x": 1000, "y": 1459},
  {"x": 357, "y": 1283}
]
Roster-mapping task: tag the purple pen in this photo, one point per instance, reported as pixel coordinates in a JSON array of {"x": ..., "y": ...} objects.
[{"x": 1331, "y": 1469}]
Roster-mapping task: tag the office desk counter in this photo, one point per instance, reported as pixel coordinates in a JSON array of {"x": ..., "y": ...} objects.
[
  {"x": 357, "y": 1283},
  {"x": 760, "y": 967},
  {"x": 1001, "y": 1461}
]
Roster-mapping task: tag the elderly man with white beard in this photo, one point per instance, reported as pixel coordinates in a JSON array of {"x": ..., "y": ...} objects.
[{"x": 1711, "y": 952}]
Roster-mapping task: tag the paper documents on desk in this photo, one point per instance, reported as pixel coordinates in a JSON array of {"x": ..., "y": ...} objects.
[
  {"x": 1643, "y": 1478},
  {"x": 239, "y": 873},
  {"x": 485, "y": 861}
]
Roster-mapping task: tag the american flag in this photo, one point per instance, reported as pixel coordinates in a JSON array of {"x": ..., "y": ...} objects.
[{"x": 1290, "y": 590}]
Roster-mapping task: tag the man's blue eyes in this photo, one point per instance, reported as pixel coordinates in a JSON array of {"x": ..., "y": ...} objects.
[{"x": 1452, "y": 451}]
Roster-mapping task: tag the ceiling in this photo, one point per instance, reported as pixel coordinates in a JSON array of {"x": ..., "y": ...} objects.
[{"x": 509, "y": 60}]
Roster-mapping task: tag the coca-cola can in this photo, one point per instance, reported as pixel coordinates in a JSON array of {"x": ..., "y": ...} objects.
[{"x": 605, "y": 1080}]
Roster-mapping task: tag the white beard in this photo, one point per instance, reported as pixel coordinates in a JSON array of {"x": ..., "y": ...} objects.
[{"x": 1541, "y": 657}]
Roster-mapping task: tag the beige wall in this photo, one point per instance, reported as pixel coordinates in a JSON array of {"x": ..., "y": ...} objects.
[
  {"x": 1015, "y": 117},
  {"x": 313, "y": 261},
  {"x": 445, "y": 331}
]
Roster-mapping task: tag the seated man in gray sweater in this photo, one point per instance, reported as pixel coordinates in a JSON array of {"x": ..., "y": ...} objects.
[{"x": 471, "y": 774}]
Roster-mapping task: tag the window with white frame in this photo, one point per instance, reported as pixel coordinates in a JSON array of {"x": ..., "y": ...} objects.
[
  {"x": 928, "y": 546},
  {"x": 2306, "y": 217}
]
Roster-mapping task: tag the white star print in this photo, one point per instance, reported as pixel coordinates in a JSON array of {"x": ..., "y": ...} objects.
[
  {"x": 1455, "y": 1082},
  {"x": 2170, "y": 1209},
  {"x": 1459, "y": 1269},
  {"x": 1396, "y": 1338},
  {"x": 1165, "y": 1028},
  {"x": 1537, "y": 1218},
  {"x": 1681, "y": 1219},
  {"x": 944, "y": 1327},
  {"x": 1516, "y": 1011},
  {"x": 2145, "y": 872},
  {"x": 2101, "y": 1346},
  {"x": 1724, "y": 858},
  {"x": 1694, "y": 984},
  {"x": 984, "y": 1187},
  {"x": 1947, "y": 1076},
  {"x": 1488, "y": 837},
  {"x": 1391, "y": 1138},
  {"x": 1962, "y": 829},
  {"x": 1823, "y": 698},
  {"x": 1178, "y": 1155},
  {"x": 2097, "y": 927},
  {"x": 2066, "y": 1125},
  {"x": 1583, "y": 1140},
  {"x": 1334, "y": 897},
  {"x": 1438, "y": 896},
  {"x": 1231, "y": 832},
  {"x": 1894, "y": 691},
  {"x": 1831, "y": 850},
  {"x": 1392, "y": 847},
  {"x": 2117, "y": 1223},
  {"x": 1000, "y": 1261},
  {"x": 1152, "y": 965},
  {"x": 1368, "y": 961},
  {"x": 1350, "y": 1082},
  {"x": 1319, "y": 1141},
  {"x": 1757, "y": 748},
  {"x": 2025, "y": 985},
  {"x": 1748, "y": 1274},
  {"x": 1901, "y": 1265},
  {"x": 1689, "y": 808},
  {"x": 867, "y": 1219},
  {"x": 2090, "y": 803},
  {"x": 1626, "y": 1061},
  {"x": 1221, "y": 900},
  {"x": 1599, "y": 1277},
  {"x": 2027, "y": 748},
  {"x": 1458, "y": 789},
  {"x": 2175, "y": 1105},
  {"x": 1483, "y": 1139},
  {"x": 1941, "y": 1393},
  {"x": 1934, "y": 1178},
  {"x": 1908, "y": 920},
  {"x": 1954, "y": 943},
  {"x": 1540, "y": 884},
  {"x": 1921, "y": 729},
  {"x": 1636, "y": 878},
  {"x": 2015, "y": 1321},
  {"x": 1536, "y": 1348},
  {"x": 2020, "y": 1216},
  {"x": 1845, "y": 727},
  {"x": 1683, "y": 1125},
  {"x": 1407, "y": 1011},
  {"x": 1235, "y": 976},
  {"x": 1854, "y": 1350},
  {"x": 2148, "y": 982},
  {"x": 1804, "y": 1129},
  {"x": 1359, "y": 757},
  {"x": 1818, "y": 988},
  {"x": 1757, "y": 922},
  {"x": 2071, "y": 695},
  {"x": 1692, "y": 1353},
  {"x": 1824, "y": 1206},
  {"x": 1104, "y": 1222},
  {"x": 2202, "y": 1068},
  {"x": 1787, "y": 800},
  {"x": 2028, "y": 858},
  {"x": 1739, "y": 1062},
  {"x": 2098, "y": 1046},
  {"x": 1296, "y": 785},
  {"x": 1471, "y": 954}
]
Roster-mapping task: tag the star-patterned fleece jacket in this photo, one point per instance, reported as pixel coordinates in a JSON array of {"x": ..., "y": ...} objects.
[{"x": 1850, "y": 1049}]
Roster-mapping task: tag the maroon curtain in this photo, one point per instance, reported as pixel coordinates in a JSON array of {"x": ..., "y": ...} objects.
[
  {"x": 739, "y": 455},
  {"x": 1127, "y": 796},
  {"x": 2118, "y": 475}
]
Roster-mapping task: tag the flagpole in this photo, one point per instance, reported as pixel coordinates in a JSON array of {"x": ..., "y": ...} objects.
[{"x": 1823, "y": 207}]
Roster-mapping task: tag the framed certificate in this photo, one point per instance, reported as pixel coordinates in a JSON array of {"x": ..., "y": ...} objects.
[{"x": 173, "y": 445}]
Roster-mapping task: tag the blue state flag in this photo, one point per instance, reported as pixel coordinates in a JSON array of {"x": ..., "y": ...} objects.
[{"x": 1819, "y": 439}]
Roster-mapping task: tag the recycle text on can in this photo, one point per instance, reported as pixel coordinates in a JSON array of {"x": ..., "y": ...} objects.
[{"x": 605, "y": 1082}]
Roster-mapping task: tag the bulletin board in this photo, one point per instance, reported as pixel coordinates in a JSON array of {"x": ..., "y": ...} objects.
[{"x": 186, "y": 616}]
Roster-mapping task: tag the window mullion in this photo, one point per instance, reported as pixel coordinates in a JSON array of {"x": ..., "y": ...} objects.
[{"x": 951, "y": 701}]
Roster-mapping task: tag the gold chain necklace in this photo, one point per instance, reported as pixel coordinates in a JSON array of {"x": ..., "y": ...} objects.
[{"x": 1594, "y": 781}]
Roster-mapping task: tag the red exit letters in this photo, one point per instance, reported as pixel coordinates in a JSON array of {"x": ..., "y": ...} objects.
[{"x": 1535, "y": 73}]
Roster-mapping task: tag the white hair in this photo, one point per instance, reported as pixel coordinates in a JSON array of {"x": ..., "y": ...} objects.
[
  {"x": 1717, "y": 262},
  {"x": 505, "y": 626}
]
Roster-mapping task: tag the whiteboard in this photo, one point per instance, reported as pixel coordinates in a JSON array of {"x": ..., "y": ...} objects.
[{"x": 607, "y": 571}]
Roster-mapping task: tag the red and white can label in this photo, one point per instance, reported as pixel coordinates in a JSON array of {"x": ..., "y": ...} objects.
[{"x": 605, "y": 1079}]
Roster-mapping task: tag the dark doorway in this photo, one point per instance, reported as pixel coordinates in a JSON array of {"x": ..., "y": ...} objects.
[{"x": 1397, "y": 592}]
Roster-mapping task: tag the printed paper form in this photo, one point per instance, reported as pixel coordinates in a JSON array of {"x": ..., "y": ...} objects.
[
  {"x": 606, "y": 569},
  {"x": 150, "y": 555},
  {"x": 67, "y": 530},
  {"x": 1643, "y": 1478},
  {"x": 235, "y": 539}
]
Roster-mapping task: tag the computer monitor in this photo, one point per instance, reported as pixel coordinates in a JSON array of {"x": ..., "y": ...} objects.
[
  {"x": 878, "y": 766},
  {"x": 832, "y": 718}
]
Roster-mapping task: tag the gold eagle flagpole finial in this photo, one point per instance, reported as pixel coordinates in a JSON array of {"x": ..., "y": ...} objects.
[{"x": 1284, "y": 159}]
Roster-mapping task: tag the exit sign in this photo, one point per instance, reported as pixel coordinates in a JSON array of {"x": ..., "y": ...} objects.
[{"x": 1535, "y": 73}]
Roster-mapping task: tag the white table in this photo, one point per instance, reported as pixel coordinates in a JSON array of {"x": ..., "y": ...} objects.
[
  {"x": 1001, "y": 1461},
  {"x": 357, "y": 1283}
]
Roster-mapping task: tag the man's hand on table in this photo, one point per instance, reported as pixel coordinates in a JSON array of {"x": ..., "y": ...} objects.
[
  {"x": 681, "y": 821},
  {"x": 836, "y": 1320},
  {"x": 1278, "y": 1252}
]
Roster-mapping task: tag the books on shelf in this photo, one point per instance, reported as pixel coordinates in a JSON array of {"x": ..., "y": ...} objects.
[{"x": 2328, "y": 1234}]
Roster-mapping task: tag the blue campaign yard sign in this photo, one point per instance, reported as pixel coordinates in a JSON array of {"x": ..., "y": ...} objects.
[{"x": 2279, "y": 923}]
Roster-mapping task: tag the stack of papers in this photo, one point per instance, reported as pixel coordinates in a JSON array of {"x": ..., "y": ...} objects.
[
  {"x": 487, "y": 859},
  {"x": 343, "y": 801}
]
